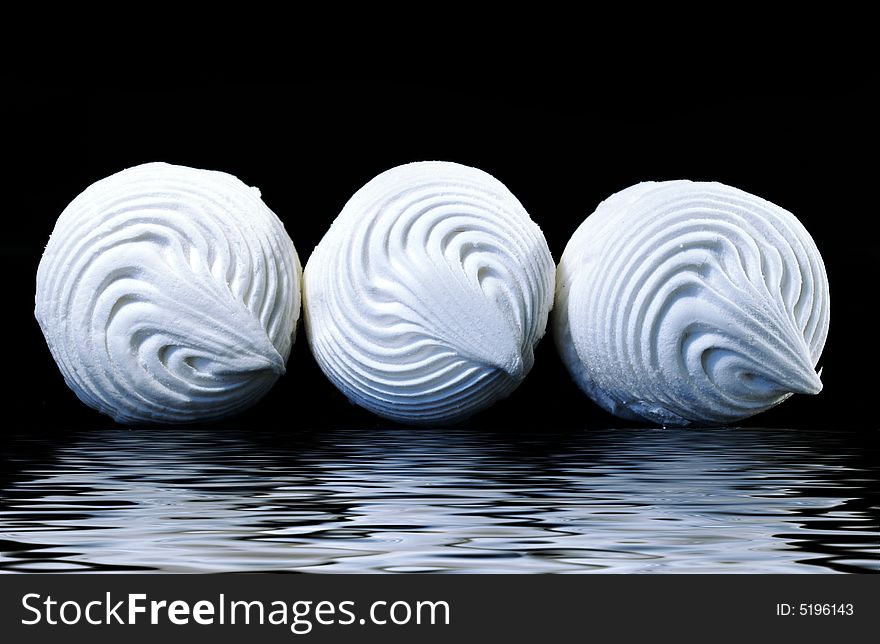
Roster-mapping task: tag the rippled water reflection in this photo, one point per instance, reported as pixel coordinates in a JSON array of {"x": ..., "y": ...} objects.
[{"x": 636, "y": 500}]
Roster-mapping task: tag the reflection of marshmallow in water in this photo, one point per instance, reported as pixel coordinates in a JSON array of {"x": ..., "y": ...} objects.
[
  {"x": 169, "y": 294},
  {"x": 681, "y": 302},
  {"x": 425, "y": 299}
]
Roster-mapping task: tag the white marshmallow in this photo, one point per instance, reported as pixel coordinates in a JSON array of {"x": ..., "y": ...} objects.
[
  {"x": 169, "y": 294},
  {"x": 425, "y": 299},
  {"x": 681, "y": 303}
]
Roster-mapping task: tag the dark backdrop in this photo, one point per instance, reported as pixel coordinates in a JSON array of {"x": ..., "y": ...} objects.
[{"x": 560, "y": 148}]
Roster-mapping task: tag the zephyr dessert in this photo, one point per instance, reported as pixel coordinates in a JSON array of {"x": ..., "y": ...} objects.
[
  {"x": 169, "y": 294},
  {"x": 683, "y": 303},
  {"x": 425, "y": 299}
]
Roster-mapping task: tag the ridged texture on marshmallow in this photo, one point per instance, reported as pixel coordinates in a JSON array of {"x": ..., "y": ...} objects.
[
  {"x": 169, "y": 294},
  {"x": 425, "y": 299},
  {"x": 691, "y": 303}
]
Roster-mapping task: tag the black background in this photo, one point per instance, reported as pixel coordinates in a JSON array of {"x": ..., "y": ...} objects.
[{"x": 561, "y": 147}]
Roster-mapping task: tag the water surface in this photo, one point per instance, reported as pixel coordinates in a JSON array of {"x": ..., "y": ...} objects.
[{"x": 462, "y": 500}]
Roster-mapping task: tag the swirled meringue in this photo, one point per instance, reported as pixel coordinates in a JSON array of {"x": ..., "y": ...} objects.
[
  {"x": 425, "y": 299},
  {"x": 681, "y": 302},
  {"x": 169, "y": 294}
]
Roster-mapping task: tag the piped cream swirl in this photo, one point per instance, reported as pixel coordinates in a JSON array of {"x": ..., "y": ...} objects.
[
  {"x": 169, "y": 294},
  {"x": 425, "y": 299},
  {"x": 681, "y": 302}
]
